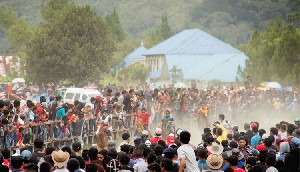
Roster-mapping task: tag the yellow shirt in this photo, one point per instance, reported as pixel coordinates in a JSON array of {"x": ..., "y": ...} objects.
[
  {"x": 203, "y": 110},
  {"x": 224, "y": 133},
  {"x": 277, "y": 105}
]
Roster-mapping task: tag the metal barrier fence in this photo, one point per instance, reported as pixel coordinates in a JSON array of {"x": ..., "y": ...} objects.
[{"x": 50, "y": 133}]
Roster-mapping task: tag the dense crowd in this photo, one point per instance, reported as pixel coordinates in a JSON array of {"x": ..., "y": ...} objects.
[
  {"x": 255, "y": 150},
  {"x": 120, "y": 110}
]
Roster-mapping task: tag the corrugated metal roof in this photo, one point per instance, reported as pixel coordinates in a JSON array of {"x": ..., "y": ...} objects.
[
  {"x": 193, "y": 42},
  {"x": 136, "y": 55},
  {"x": 222, "y": 67}
]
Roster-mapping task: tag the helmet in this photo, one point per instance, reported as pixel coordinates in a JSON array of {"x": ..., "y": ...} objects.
[{"x": 168, "y": 110}]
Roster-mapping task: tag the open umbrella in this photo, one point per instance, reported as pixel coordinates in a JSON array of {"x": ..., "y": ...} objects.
[
  {"x": 18, "y": 80},
  {"x": 180, "y": 85},
  {"x": 273, "y": 85}
]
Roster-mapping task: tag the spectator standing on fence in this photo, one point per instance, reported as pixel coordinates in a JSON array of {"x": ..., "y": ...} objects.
[
  {"x": 77, "y": 127},
  {"x": 28, "y": 112},
  {"x": 55, "y": 105}
]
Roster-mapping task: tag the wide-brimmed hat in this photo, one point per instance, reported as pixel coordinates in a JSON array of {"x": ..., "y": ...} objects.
[
  {"x": 215, "y": 148},
  {"x": 60, "y": 158},
  {"x": 214, "y": 161}
]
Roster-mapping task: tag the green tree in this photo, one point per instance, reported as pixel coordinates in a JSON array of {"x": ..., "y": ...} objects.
[
  {"x": 135, "y": 73},
  {"x": 273, "y": 55},
  {"x": 160, "y": 34},
  {"x": 7, "y": 17},
  {"x": 176, "y": 74},
  {"x": 19, "y": 34},
  {"x": 115, "y": 26},
  {"x": 55, "y": 9},
  {"x": 165, "y": 29},
  {"x": 76, "y": 48}
]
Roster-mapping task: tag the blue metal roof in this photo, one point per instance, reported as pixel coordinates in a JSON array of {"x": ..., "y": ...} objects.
[
  {"x": 222, "y": 67},
  {"x": 136, "y": 55},
  {"x": 192, "y": 42}
]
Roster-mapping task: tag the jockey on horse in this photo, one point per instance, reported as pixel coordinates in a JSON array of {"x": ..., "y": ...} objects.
[{"x": 104, "y": 130}]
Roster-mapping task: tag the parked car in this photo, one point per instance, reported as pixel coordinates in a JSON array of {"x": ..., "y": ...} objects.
[{"x": 82, "y": 94}]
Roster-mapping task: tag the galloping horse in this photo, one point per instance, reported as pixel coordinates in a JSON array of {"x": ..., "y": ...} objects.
[
  {"x": 139, "y": 127},
  {"x": 101, "y": 137}
]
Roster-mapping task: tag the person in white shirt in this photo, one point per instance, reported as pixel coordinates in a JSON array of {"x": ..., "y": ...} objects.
[
  {"x": 186, "y": 154},
  {"x": 126, "y": 139}
]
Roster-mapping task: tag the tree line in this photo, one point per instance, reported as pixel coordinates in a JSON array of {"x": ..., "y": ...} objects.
[{"x": 73, "y": 44}]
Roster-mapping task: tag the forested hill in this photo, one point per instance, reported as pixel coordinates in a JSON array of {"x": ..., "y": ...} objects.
[{"x": 230, "y": 20}]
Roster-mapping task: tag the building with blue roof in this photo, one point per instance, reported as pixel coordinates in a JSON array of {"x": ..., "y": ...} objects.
[
  {"x": 200, "y": 56},
  {"x": 138, "y": 55}
]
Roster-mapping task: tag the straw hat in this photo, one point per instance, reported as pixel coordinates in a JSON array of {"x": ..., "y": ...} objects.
[
  {"x": 60, "y": 158},
  {"x": 214, "y": 161},
  {"x": 215, "y": 148}
]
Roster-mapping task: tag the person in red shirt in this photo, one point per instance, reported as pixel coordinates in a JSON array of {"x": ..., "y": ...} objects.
[
  {"x": 157, "y": 137},
  {"x": 144, "y": 115}
]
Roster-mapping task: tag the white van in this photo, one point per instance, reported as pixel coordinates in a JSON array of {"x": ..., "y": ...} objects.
[{"x": 82, "y": 94}]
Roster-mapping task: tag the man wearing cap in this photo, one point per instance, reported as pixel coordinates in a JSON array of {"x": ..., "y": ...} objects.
[
  {"x": 111, "y": 144},
  {"x": 76, "y": 147},
  {"x": 157, "y": 137},
  {"x": 171, "y": 154},
  {"x": 26, "y": 155}
]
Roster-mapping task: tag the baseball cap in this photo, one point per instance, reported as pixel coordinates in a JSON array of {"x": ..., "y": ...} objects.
[
  {"x": 254, "y": 152},
  {"x": 145, "y": 132},
  {"x": 111, "y": 144},
  {"x": 233, "y": 144},
  {"x": 76, "y": 146},
  {"x": 148, "y": 143},
  {"x": 235, "y": 128},
  {"x": 225, "y": 155},
  {"x": 158, "y": 131},
  {"x": 264, "y": 136},
  {"x": 295, "y": 142},
  {"x": 170, "y": 151},
  {"x": 253, "y": 125},
  {"x": 26, "y": 154},
  {"x": 261, "y": 147}
]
